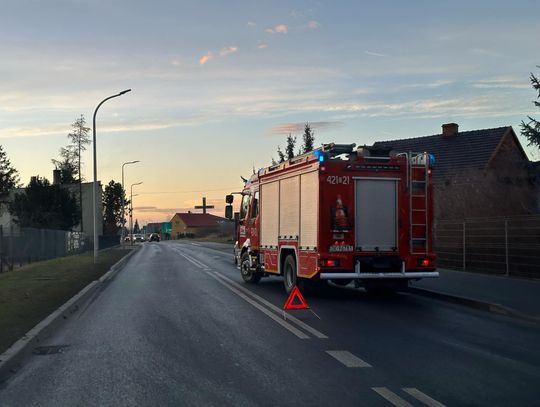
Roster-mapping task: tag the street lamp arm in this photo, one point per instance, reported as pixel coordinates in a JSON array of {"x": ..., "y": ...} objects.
[
  {"x": 104, "y": 100},
  {"x": 96, "y": 236}
]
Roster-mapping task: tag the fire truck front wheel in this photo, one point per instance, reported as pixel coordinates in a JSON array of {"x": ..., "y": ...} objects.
[
  {"x": 248, "y": 275},
  {"x": 289, "y": 273}
]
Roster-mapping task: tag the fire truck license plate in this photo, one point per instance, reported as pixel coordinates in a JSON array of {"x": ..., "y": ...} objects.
[{"x": 340, "y": 248}]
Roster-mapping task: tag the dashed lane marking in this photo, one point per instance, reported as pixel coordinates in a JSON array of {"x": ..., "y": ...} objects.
[
  {"x": 424, "y": 398},
  {"x": 265, "y": 311},
  {"x": 391, "y": 397},
  {"x": 298, "y": 322},
  {"x": 347, "y": 358}
]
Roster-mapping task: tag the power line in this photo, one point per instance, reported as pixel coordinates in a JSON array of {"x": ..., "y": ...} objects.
[{"x": 186, "y": 192}]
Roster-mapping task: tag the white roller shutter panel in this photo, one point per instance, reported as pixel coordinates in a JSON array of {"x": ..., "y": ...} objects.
[
  {"x": 289, "y": 213},
  {"x": 309, "y": 205},
  {"x": 269, "y": 213}
]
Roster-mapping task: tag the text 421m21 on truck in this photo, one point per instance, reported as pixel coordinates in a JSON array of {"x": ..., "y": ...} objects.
[{"x": 338, "y": 214}]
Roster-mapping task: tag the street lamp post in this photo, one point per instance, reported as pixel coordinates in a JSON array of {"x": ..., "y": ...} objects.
[
  {"x": 123, "y": 203},
  {"x": 96, "y": 237},
  {"x": 131, "y": 213}
]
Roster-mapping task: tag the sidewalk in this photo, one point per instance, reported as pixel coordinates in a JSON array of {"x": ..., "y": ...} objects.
[{"x": 517, "y": 294}]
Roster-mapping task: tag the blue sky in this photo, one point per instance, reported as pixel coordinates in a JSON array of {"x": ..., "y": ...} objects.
[{"x": 218, "y": 85}]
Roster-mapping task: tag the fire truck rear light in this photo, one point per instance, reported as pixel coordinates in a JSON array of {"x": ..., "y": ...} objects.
[
  {"x": 424, "y": 263},
  {"x": 329, "y": 263}
]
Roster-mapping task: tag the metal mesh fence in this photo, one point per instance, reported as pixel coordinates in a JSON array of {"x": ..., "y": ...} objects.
[
  {"x": 504, "y": 246},
  {"x": 27, "y": 245}
]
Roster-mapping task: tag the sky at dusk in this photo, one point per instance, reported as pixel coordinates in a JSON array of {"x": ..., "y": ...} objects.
[{"x": 217, "y": 85}]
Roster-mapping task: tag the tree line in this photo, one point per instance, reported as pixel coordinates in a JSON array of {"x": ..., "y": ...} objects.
[
  {"x": 308, "y": 141},
  {"x": 53, "y": 206}
]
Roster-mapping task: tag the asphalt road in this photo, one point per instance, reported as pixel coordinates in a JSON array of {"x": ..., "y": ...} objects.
[{"x": 178, "y": 327}]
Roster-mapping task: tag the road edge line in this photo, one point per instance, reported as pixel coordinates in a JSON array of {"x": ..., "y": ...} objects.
[
  {"x": 492, "y": 308},
  {"x": 12, "y": 358}
]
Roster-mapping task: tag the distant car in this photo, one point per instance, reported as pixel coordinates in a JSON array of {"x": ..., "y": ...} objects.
[
  {"x": 137, "y": 237},
  {"x": 154, "y": 237},
  {"x": 127, "y": 239}
]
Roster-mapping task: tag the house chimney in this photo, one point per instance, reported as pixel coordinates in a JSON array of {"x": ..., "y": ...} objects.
[
  {"x": 450, "y": 129},
  {"x": 57, "y": 177}
]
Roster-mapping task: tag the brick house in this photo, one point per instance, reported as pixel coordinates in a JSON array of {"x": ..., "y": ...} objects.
[
  {"x": 478, "y": 173},
  {"x": 197, "y": 224}
]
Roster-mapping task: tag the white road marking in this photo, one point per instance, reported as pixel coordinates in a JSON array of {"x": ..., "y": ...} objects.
[
  {"x": 194, "y": 261},
  {"x": 265, "y": 311},
  {"x": 238, "y": 287},
  {"x": 195, "y": 244},
  {"x": 391, "y": 397},
  {"x": 347, "y": 358},
  {"x": 298, "y": 322},
  {"x": 424, "y": 398}
]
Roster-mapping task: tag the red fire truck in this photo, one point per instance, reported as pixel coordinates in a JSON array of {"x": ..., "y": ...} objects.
[{"x": 340, "y": 214}]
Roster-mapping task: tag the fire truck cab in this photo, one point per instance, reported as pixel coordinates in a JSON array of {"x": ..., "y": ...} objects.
[{"x": 340, "y": 214}]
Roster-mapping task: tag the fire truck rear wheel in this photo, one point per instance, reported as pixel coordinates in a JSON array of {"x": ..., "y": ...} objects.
[
  {"x": 289, "y": 273},
  {"x": 248, "y": 275}
]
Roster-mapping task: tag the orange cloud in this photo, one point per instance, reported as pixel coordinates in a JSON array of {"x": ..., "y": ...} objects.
[
  {"x": 313, "y": 24},
  {"x": 262, "y": 45},
  {"x": 205, "y": 58},
  {"x": 280, "y": 29}
]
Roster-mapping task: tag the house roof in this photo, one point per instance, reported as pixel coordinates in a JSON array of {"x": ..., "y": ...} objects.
[
  {"x": 464, "y": 150},
  {"x": 197, "y": 220}
]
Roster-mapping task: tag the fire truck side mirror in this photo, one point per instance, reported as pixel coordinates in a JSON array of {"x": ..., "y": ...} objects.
[
  {"x": 229, "y": 211},
  {"x": 229, "y": 199}
]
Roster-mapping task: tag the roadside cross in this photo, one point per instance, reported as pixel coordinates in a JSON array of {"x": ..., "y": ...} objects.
[{"x": 204, "y": 207}]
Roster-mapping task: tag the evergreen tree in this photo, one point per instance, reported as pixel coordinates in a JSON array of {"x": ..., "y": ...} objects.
[
  {"x": 45, "y": 206},
  {"x": 79, "y": 138},
  {"x": 136, "y": 228},
  {"x": 308, "y": 138},
  {"x": 281, "y": 156},
  {"x": 289, "y": 150},
  {"x": 70, "y": 162},
  {"x": 9, "y": 176},
  {"x": 531, "y": 130},
  {"x": 112, "y": 208}
]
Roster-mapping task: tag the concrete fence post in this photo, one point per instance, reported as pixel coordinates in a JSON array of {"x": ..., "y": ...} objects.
[
  {"x": 464, "y": 249},
  {"x": 506, "y": 247}
]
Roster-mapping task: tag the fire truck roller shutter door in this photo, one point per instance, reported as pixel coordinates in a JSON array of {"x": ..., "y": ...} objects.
[
  {"x": 309, "y": 201},
  {"x": 376, "y": 214},
  {"x": 289, "y": 212},
  {"x": 269, "y": 214}
]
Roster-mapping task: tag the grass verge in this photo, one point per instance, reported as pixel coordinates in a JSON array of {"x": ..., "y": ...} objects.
[
  {"x": 215, "y": 239},
  {"x": 30, "y": 293}
]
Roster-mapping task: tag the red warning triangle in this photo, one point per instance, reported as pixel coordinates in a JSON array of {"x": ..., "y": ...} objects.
[{"x": 295, "y": 295}]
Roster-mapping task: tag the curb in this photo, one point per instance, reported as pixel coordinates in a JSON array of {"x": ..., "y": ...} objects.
[
  {"x": 477, "y": 304},
  {"x": 11, "y": 359}
]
